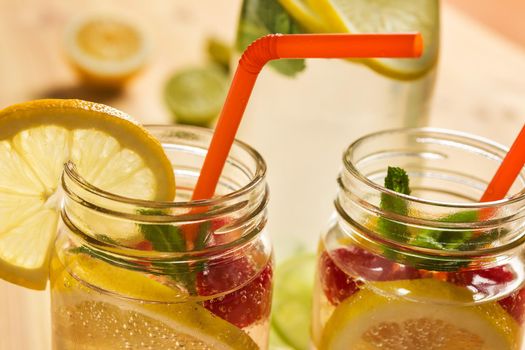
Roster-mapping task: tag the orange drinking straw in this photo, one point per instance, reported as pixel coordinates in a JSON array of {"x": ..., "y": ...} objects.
[
  {"x": 508, "y": 170},
  {"x": 276, "y": 46}
]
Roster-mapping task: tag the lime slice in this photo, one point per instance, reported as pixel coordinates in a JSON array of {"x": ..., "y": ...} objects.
[
  {"x": 377, "y": 16},
  {"x": 277, "y": 343},
  {"x": 294, "y": 279},
  {"x": 36, "y": 138},
  {"x": 372, "y": 321},
  {"x": 195, "y": 96},
  {"x": 106, "y": 49},
  {"x": 84, "y": 319}
]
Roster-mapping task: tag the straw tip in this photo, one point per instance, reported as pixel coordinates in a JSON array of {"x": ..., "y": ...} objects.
[{"x": 417, "y": 45}]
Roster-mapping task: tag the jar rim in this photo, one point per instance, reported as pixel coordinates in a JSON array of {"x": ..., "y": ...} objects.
[
  {"x": 352, "y": 169},
  {"x": 173, "y": 212},
  {"x": 258, "y": 177}
]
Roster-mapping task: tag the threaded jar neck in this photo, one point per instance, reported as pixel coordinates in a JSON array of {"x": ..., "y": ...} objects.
[{"x": 440, "y": 221}]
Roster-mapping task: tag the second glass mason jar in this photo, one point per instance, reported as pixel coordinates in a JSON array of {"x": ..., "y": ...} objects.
[
  {"x": 434, "y": 269},
  {"x": 124, "y": 274}
]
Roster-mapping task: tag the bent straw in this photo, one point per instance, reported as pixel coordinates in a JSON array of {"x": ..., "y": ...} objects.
[
  {"x": 508, "y": 170},
  {"x": 276, "y": 46}
]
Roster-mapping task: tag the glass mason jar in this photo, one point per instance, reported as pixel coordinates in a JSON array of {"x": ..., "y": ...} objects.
[
  {"x": 124, "y": 276},
  {"x": 431, "y": 270},
  {"x": 318, "y": 97}
]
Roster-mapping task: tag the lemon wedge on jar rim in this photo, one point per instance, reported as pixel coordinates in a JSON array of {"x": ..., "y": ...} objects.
[
  {"x": 110, "y": 151},
  {"x": 376, "y": 16},
  {"x": 368, "y": 320}
]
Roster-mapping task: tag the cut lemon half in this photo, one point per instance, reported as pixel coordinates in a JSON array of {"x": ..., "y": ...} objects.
[
  {"x": 106, "y": 49},
  {"x": 84, "y": 319},
  {"x": 376, "y": 16},
  {"x": 36, "y": 138},
  {"x": 372, "y": 321}
]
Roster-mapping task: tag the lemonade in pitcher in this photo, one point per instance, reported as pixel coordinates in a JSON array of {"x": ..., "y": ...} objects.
[{"x": 330, "y": 100}]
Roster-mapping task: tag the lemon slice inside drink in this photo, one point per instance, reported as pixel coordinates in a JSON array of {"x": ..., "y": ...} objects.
[
  {"x": 377, "y": 16},
  {"x": 106, "y": 49},
  {"x": 110, "y": 151},
  {"x": 85, "y": 320},
  {"x": 371, "y": 321}
]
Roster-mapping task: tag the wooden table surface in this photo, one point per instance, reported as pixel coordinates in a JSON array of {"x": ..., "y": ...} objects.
[{"x": 480, "y": 87}]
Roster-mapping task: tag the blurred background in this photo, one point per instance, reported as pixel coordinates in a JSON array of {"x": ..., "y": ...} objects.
[{"x": 179, "y": 45}]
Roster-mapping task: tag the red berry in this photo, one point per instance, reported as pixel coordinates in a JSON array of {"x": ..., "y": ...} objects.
[
  {"x": 372, "y": 267},
  {"x": 144, "y": 245},
  {"x": 514, "y": 304},
  {"x": 244, "y": 306},
  {"x": 491, "y": 281},
  {"x": 488, "y": 281},
  {"x": 337, "y": 285}
]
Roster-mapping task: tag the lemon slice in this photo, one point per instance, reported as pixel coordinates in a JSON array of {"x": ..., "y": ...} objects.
[
  {"x": 376, "y": 16},
  {"x": 372, "y": 321},
  {"x": 84, "y": 319},
  {"x": 36, "y": 138},
  {"x": 106, "y": 49},
  {"x": 305, "y": 15}
]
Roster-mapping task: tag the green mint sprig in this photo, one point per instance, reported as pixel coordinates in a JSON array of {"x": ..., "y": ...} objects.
[
  {"x": 396, "y": 180},
  {"x": 262, "y": 17}
]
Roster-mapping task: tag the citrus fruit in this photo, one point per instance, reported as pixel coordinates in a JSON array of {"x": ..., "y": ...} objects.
[
  {"x": 371, "y": 321},
  {"x": 110, "y": 151},
  {"x": 85, "y": 319},
  {"x": 305, "y": 15},
  {"x": 195, "y": 96},
  {"x": 492, "y": 281},
  {"x": 277, "y": 343},
  {"x": 377, "y": 16},
  {"x": 294, "y": 279},
  {"x": 106, "y": 49}
]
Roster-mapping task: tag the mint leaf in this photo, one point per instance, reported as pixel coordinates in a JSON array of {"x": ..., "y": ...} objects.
[
  {"x": 164, "y": 238},
  {"x": 447, "y": 240},
  {"x": 262, "y": 17},
  {"x": 396, "y": 180}
]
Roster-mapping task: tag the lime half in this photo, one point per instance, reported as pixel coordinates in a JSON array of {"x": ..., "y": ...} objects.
[
  {"x": 294, "y": 279},
  {"x": 195, "y": 96}
]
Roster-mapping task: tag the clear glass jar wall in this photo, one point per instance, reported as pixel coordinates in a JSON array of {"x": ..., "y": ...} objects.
[
  {"x": 431, "y": 270},
  {"x": 131, "y": 274}
]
